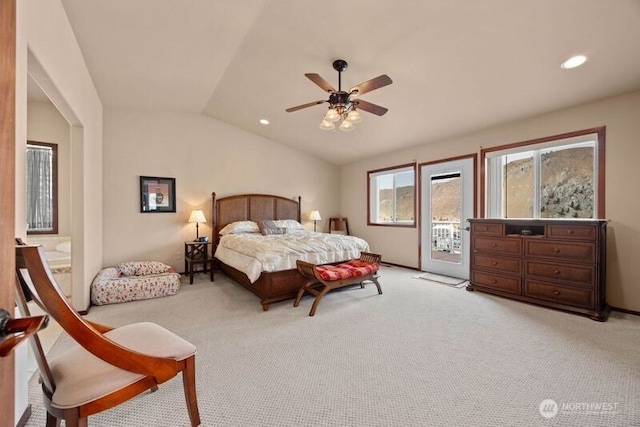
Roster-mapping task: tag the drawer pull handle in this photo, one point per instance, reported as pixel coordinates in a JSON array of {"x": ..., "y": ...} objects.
[
  {"x": 494, "y": 262},
  {"x": 556, "y": 271},
  {"x": 494, "y": 281},
  {"x": 556, "y": 293},
  {"x": 493, "y": 245},
  {"x": 556, "y": 250},
  {"x": 569, "y": 231}
]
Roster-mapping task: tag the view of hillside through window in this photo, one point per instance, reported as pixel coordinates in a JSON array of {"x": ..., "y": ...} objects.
[
  {"x": 403, "y": 194},
  {"x": 566, "y": 180},
  {"x": 392, "y": 196},
  {"x": 446, "y": 207}
]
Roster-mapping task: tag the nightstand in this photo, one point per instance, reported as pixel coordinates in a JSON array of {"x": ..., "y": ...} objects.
[{"x": 197, "y": 253}]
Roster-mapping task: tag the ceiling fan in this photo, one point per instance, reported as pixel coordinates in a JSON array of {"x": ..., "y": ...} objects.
[{"x": 343, "y": 105}]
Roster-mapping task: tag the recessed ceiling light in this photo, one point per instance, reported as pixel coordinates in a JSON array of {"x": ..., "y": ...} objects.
[
  {"x": 574, "y": 61},
  {"x": 264, "y": 121}
]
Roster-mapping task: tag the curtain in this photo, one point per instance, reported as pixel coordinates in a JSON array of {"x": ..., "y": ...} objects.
[{"x": 39, "y": 188}]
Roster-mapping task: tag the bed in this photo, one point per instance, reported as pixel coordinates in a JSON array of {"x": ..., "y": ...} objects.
[
  {"x": 58, "y": 252},
  {"x": 272, "y": 283}
]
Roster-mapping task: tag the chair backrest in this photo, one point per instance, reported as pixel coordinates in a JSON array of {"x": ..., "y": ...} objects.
[
  {"x": 22, "y": 295},
  {"x": 38, "y": 284},
  {"x": 339, "y": 226}
]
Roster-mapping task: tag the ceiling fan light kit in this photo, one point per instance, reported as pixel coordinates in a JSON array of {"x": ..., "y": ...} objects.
[
  {"x": 327, "y": 125},
  {"x": 341, "y": 105},
  {"x": 346, "y": 126}
]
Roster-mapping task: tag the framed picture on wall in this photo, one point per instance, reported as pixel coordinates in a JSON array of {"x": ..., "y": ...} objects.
[{"x": 157, "y": 194}]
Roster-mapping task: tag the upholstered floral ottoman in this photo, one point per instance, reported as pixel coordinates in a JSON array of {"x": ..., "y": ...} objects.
[{"x": 132, "y": 281}]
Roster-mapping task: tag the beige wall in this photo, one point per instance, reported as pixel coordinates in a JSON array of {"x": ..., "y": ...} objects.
[
  {"x": 45, "y": 41},
  {"x": 48, "y": 51},
  {"x": 621, "y": 116},
  {"x": 46, "y": 124},
  {"x": 203, "y": 155}
]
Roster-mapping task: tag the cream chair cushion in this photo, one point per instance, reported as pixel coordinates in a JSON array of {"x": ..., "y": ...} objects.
[{"x": 81, "y": 377}]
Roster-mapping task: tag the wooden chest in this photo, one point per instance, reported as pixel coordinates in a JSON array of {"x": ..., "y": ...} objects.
[{"x": 555, "y": 263}]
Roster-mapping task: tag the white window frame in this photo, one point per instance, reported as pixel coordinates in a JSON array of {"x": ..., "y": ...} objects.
[
  {"x": 373, "y": 178},
  {"x": 494, "y": 162}
]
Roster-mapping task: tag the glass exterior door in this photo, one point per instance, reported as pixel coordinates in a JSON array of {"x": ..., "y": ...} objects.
[{"x": 446, "y": 203}]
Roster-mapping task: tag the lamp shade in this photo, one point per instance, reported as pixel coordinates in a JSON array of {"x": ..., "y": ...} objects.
[
  {"x": 346, "y": 126},
  {"x": 332, "y": 115},
  {"x": 327, "y": 125},
  {"x": 354, "y": 116},
  {"x": 197, "y": 216},
  {"x": 315, "y": 216}
]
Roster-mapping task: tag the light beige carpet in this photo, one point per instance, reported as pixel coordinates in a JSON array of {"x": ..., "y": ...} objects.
[
  {"x": 443, "y": 280},
  {"x": 414, "y": 356}
]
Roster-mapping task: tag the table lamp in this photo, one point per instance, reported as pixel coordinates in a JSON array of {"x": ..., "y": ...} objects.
[
  {"x": 197, "y": 216},
  {"x": 314, "y": 216}
]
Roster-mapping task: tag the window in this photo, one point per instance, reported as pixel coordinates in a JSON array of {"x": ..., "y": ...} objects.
[
  {"x": 556, "y": 177},
  {"x": 392, "y": 194},
  {"x": 42, "y": 188}
]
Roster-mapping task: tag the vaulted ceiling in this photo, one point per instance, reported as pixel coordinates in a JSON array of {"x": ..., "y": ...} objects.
[{"x": 457, "y": 66}]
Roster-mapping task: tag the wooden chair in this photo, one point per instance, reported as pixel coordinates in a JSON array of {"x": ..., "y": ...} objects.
[
  {"x": 105, "y": 366},
  {"x": 339, "y": 226}
]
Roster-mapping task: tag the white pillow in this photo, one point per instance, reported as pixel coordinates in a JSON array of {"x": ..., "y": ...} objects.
[
  {"x": 289, "y": 224},
  {"x": 64, "y": 247},
  {"x": 240, "y": 227}
]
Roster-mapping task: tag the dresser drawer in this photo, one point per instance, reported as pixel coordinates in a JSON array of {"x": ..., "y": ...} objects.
[
  {"x": 508, "y": 245},
  {"x": 497, "y": 263},
  {"x": 497, "y": 282},
  {"x": 583, "y": 275},
  {"x": 559, "y": 294},
  {"x": 565, "y": 251},
  {"x": 487, "y": 228},
  {"x": 577, "y": 232}
]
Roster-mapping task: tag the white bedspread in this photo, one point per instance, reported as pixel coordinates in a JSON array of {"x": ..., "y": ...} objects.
[{"x": 253, "y": 253}]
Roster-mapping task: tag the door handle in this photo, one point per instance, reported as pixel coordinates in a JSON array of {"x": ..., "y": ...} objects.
[{"x": 14, "y": 331}]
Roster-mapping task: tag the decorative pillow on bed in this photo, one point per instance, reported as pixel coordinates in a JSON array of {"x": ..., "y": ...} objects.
[
  {"x": 240, "y": 227},
  {"x": 289, "y": 224},
  {"x": 141, "y": 268},
  {"x": 268, "y": 227}
]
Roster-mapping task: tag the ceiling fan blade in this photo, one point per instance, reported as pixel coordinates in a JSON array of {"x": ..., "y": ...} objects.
[
  {"x": 370, "y": 108},
  {"x": 369, "y": 85},
  {"x": 320, "y": 82},
  {"x": 309, "y": 104}
]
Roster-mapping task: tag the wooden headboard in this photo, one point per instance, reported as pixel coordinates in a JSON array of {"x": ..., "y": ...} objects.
[{"x": 251, "y": 207}]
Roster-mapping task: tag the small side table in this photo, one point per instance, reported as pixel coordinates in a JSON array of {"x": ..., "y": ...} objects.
[{"x": 197, "y": 253}]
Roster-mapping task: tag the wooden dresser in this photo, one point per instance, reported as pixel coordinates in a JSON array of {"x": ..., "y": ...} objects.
[{"x": 555, "y": 263}]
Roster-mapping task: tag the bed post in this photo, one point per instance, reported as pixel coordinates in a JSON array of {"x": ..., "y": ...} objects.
[
  {"x": 299, "y": 205},
  {"x": 214, "y": 224}
]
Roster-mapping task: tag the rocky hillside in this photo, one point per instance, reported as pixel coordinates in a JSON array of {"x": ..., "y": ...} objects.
[
  {"x": 405, "y": 203},
  {"x": 446, "y": 197},
  {"x": 567, "y": 185}
]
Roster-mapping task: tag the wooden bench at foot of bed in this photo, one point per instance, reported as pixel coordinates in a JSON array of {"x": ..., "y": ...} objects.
[{"x": 324, "y": 278}]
